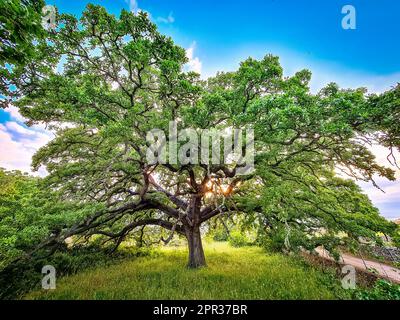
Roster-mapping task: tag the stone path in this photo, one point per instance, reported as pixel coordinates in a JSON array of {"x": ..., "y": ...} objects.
[{"x": 383, "y": 270}]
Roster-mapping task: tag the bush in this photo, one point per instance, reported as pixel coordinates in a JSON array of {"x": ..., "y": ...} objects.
[
  {"x": 221, "y": 235},
  {"x": 382, "y": 290},
  {"x": 238, "y": 239},
  {"x": 21, "y": 277}
]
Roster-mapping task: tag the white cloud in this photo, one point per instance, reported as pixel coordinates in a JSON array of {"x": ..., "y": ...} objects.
[
  {"x": 387, "y": 199},
  {"x": 169, "y": 19},
  {"x": 382, "y": 155},
  {"x": 194, "y": 63},
  {"x": 133, "y": 6},
  {"x": 17, "y": 128},
  {"x": 391, "y": 192},
  {"x": 16, "y": 152},
  {"x": 14, "y": 114}
]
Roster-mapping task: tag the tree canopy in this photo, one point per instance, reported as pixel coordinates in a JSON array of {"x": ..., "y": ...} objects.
[{"x": 102, "y": 83}]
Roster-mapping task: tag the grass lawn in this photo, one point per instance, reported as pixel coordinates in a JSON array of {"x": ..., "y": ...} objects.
[{"x": 232, "y": 273}]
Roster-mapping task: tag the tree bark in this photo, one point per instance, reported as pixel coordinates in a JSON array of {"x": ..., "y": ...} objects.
[{"x": 196, "y": 252}]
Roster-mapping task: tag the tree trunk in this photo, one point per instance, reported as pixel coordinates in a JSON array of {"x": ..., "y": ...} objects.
[{"x": 196, "y": 252}]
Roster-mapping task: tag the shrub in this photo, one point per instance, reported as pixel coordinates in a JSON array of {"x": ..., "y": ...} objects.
[
  {"x": 238, "y": 239},
  {"x": 21, "y": 277},
  {"x": 221, "y": 235},
  {"x": 382, "y": 290}
]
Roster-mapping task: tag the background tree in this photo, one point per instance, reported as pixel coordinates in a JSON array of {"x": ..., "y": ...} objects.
[
  {"x": 103, "y": 83},
  {"x": 29, "y": 214},
  {"x": 16, "y": 195}
]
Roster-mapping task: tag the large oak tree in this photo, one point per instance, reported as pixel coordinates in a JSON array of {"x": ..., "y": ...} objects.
[{"x": 102, "y": 83}]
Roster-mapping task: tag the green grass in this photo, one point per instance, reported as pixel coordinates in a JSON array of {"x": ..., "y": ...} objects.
[{"x": 232, "y": 273}]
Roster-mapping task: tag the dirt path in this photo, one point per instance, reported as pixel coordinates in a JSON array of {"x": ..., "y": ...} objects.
[{"x": 383, "y": 270}]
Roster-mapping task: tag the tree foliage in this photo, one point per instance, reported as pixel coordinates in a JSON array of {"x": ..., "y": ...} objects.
[
  {"x": 20, "y": 27},
  {"x": 29, "y": 214},
  {"x": 16, "y": 216}
]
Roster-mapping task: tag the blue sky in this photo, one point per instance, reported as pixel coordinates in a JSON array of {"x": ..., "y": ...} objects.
[
  {"x": 304, "y": 33},
  {"x": 225, "y": 30}
]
